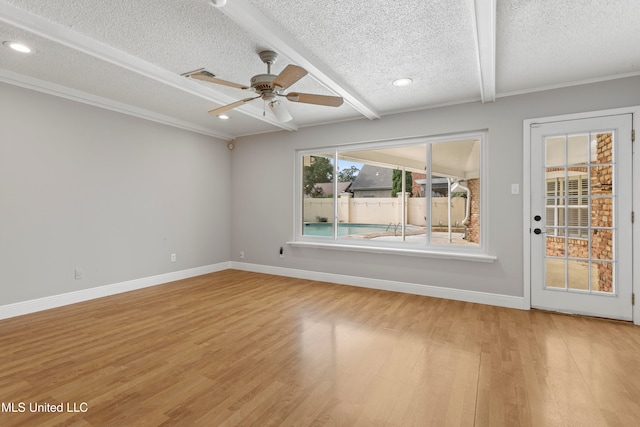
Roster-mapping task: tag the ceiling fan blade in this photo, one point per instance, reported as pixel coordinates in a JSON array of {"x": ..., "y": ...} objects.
[
  {"x": 310, "y": 98},
  {"x": 232, "y": 105},
  {"x": 206, "y": 76},
  {"x": 288, "y": 76}
]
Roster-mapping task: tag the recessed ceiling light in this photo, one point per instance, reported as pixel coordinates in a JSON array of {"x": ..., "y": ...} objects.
[
  {"x": 405, "y": 81},
  {"x": 217, "y": 3},
  {"x": 223, "y": 117},
  {"x": 18, "y": 47}
]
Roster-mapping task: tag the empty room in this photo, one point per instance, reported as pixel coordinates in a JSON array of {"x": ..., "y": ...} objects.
[{"x": 276, "y": 213}]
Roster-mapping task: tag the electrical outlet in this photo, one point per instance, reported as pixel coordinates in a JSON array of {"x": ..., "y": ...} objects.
[
  {"x": 173, "y": 257},
  {"x": 241, "y": 254},
  {"x": 281, "y": 252},
  {"x": 77, "y": 273}
]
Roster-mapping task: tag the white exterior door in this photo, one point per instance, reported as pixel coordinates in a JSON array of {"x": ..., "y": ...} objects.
[{"x": 581, "y": 207}]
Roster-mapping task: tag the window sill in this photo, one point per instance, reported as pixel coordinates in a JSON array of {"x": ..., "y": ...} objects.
[{"x": 477, "y": 257}]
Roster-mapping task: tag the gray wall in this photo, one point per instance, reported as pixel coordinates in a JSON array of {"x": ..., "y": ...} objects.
[
  {"x": 111, "y": 194},
  {"x": 262, "y": 170},
  {"x": 115, "y": 195}
]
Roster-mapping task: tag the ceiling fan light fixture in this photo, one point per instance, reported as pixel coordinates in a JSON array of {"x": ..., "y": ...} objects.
[
  {"x": 268, "y": 87},
  {"x": 280, "y": 111},
  {"x": 401, "y": 82},
  {"x": 18, "y": 47}
]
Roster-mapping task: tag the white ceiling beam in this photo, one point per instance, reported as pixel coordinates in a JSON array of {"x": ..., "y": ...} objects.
[
  {"x": 65, "y": 36},
  {"x": 254, "y": 21},
  {"x": 485, "y": 29}
]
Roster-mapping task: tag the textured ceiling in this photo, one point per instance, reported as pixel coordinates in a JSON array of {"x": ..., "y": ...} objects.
[
  {"x": 370, "y": 44},
  {"x": 128, "y": 55},
  {"x": 548, "y": 43}
]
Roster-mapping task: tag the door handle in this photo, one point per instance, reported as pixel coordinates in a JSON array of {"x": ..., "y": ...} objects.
[
  {"x": 538, "y": 231},
  {"x": 537, "y": 217}
]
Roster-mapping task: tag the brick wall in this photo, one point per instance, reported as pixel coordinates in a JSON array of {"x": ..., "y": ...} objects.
[
  {"x": 473, "y": 226},
  {"x": 416, "y": 189}
]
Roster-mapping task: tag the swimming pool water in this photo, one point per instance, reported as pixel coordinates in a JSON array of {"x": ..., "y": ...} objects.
[{"x": 344, "y": 229}]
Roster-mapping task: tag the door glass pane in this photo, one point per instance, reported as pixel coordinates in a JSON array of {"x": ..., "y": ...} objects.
[
  {"x": 561, "y": 217},
  {"x": 602, "y": 212},
  {"x": 601, "y": 180},
  {"x": 577, "y": 233},
  {"x": 556, "y": 242},
  {"x": 577, "y": 247},
  {"x": 602, "y": 148},
  {"x": 550, "y": 217},
  {"x": 552, "y": 184},
  {"x": 555, "y": 151},
  {"x": 602, "y": 244},
  {"x": 555, "y": 272},
  {"x": 576, "y": 216},
  {"x": 602, "y": 277},
  {"x": 578, "y": 149},
  {"x": 578, "y": 275}
]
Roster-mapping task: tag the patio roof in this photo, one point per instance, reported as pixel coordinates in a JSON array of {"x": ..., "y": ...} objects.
[{"x": 455, "y": 159}]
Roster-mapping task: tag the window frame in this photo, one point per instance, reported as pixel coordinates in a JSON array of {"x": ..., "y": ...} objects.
[{"x": 426, "y": 248}]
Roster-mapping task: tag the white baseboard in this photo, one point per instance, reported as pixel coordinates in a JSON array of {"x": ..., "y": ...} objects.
[
  {"x": 388, "y": 285},
  {"x": 45, "y": 303}
]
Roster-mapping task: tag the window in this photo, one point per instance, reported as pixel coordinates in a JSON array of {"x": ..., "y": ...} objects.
[{"x": 424, "y": 194}]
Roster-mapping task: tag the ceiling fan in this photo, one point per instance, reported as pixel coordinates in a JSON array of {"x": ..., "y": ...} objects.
[{"x": 269, "y": 87}]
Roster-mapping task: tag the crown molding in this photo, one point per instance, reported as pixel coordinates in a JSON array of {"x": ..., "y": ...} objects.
[{"x": 26, "y": 82}]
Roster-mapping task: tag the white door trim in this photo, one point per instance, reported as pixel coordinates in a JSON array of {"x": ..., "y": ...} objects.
[{"x": 526, "y": 196}]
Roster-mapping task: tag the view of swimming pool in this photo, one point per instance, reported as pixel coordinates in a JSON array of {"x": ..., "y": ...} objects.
[{"x": 345, "y": 229}]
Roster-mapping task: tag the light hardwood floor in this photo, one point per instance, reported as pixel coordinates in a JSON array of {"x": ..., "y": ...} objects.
[{"x": 244, "y": 349}]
